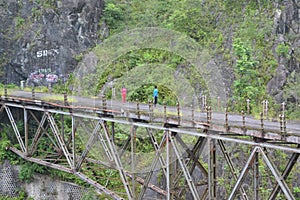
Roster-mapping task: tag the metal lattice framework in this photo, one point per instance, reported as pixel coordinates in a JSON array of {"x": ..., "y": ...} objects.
[{"x": 191, "y": 152}]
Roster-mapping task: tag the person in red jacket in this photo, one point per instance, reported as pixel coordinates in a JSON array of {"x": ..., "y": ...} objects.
[{"x": 124, "y": 91}]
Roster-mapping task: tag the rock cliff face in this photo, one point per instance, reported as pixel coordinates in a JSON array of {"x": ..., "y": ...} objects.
[
  {"x": 287, "y": 32},
  {"x": 39, "y": 39}
]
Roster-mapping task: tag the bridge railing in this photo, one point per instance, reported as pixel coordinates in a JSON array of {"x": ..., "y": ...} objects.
[{"x": 192, "y": 116}]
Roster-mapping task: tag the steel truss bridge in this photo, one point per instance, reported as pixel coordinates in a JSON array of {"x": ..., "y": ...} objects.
[{"x": 193, "y": 154}]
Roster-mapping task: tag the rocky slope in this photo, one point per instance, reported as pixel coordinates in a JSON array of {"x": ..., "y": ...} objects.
[
  {"x": 287, "y": 32},
  {"x": 40, "y": 39}
]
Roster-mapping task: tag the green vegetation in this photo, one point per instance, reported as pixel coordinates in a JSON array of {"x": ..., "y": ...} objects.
[
  {"x": 238, "y": 34},
  {"x": 59, "y": 98},
  {"x": 292, "y": 94},
  {"x": 19, "y": 22},
  {"x": 22, "y": 196},
  {"x": 46, "y": 148},
  {"x": 246, "y": 70},
  {"x": 283, "y": 50},
  {"x": 248, "y": 84},
  {"x": 209, "y": 24},
  {"x": 213, "y": 25},
  {"x": 28, "y": 169}
]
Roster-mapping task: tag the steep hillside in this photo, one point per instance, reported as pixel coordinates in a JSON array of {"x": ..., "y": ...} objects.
[
  {"x": 40, "y": 38},
  {"x": 255, "y": 44}
]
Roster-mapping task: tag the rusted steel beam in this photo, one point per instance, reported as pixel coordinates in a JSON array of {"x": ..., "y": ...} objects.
[
  {"x": 186, "y": 173},
  {"x": 212, "y": 173},
  {"x": 59, "y": 139},
  {"x": 38, "y": 135},
  {"x": 73, "y": 131},
  {"x": 196, "y": 152},
  {"x": 68, "y": 170},
  {"x": 88, "y": 146},
  {"x": 158, "y": 157},
  {"x": 231, "y": 167},
  {"x": 291, "y": 163},
  {"x": 280, "y": 180},
  {"x": 168, "y": 149},
  {"x": 158, "y": 149},
  {"x": 149, "y": 185},
  {"x": 117, "y": 161},
  {"x": 192, "y": 155},
  {"x": 192, "y": 160},
  {"x": 26, "y": 130},
  {"x": 15, "y": 128},
  {"x": 243, "y": 173},
  {"x": 39, "y": 161},
  {"x": 98, "y": 186},
  {"x": 256, "y": 177},
  {"x": 133, "y": 157}
]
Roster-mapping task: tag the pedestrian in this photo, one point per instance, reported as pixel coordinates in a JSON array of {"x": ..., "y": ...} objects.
[
  {"x": 124, "y": 91},
  {"x": 155, "y": 95}
]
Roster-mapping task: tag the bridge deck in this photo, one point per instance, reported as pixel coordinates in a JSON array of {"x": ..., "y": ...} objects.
[{"x": 171, "y": 116}]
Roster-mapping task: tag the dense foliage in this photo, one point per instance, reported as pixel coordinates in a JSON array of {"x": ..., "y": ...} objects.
[{"x": 213, "y": 25}]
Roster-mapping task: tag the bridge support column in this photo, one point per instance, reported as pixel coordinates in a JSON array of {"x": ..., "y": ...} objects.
[
  {"x": 256, "y": 176},
  {"x": 168, "y": 165},
  {"x": 212, "y": 177},
  {"x": 62, "y": 119},
  {"x": 133, "y": 158},
  {"x": 113, "y": 132},
  {"x": 73, "y": 143},
  {"x": 26, "y": 131}
]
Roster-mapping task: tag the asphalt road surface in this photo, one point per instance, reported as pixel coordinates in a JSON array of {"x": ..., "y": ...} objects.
[{"x": 217, "y": 118}]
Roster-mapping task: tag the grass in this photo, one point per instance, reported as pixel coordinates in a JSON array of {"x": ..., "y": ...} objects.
[
  {"x": 168, "y": 113},
  {"x": 57, "y": 97},
  {"x": 42, "y": 89}
]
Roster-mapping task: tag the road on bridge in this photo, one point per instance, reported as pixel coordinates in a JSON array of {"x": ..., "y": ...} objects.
[{"x": 292, "y": 127}]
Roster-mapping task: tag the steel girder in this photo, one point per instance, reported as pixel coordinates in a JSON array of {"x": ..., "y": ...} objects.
[{"x": 174, "y": 155}]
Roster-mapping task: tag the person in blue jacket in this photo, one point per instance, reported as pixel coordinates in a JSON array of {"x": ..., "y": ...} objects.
[{"x": 155, "y": 95}]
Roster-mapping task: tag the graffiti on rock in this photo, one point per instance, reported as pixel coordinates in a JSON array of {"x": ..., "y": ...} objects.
[
  {"x": 45, "y": 70},
  {"x": 47, "y": 52},
  {"x": 42, "y": 76}
]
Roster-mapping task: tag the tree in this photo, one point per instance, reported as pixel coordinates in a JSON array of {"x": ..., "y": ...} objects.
[{"x": 248, "y": 82}]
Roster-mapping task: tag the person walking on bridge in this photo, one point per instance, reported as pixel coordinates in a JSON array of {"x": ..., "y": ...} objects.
[
  {"x": 124, "y": 91},
  {"x": 155, "y": 95}
]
